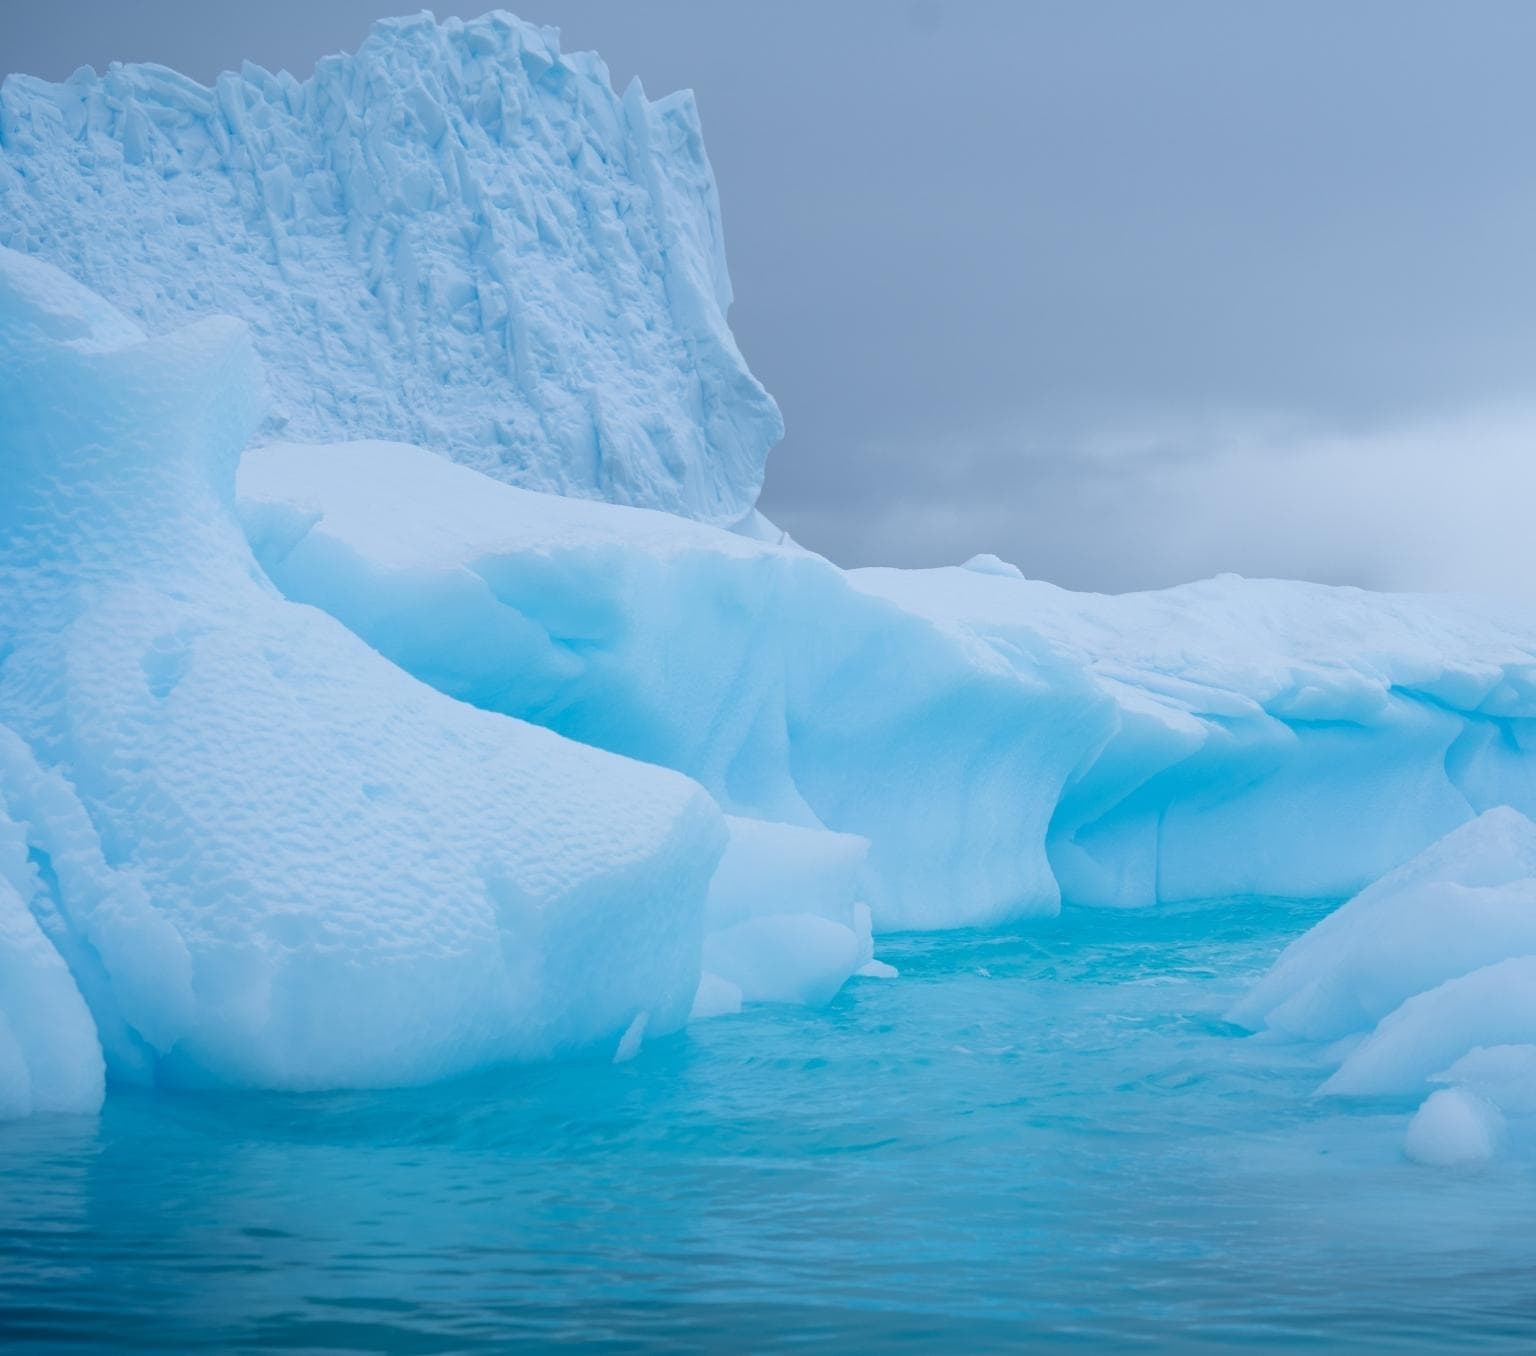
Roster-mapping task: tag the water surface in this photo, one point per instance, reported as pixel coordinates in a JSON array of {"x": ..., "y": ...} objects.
[{"x": 1039, "y": 1139}]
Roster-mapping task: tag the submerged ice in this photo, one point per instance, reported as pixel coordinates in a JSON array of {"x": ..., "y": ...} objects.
[{"x": 395, "y": 677}]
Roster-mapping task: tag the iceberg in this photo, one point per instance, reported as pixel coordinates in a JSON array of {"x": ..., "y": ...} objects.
[
  {"x": 1000, "y": 743},
  {"x": 1265, "y": 737},
  {"x": 397, "y": 677},
  {"x": 458, "y": 236},
  {"x": 1453, "y": 1127},
  {"x": 1428, "y": 977},
  {"x": 1466, "y": 901}
]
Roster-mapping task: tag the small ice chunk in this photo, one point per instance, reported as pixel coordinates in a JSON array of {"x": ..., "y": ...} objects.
[
  {"x": 1431, "y": 1031},
  {"x": 877, "y": 969},
  {"x": 632, "y": 1039},
  {"x": 785, "y": 958},
  {"x": 1467, "y": 901},
  {"x": 716, "y": 997},
  {"x": 784, "y": 921},
  {"x": 1454, "y": 1126},
  {"x": 987, "y": 563}
]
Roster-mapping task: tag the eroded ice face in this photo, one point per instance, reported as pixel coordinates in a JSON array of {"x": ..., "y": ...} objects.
[{"x": 458, "y": 236}]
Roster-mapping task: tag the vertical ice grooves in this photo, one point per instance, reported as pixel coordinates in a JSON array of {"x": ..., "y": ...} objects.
[{"x": 457, "y": 237}]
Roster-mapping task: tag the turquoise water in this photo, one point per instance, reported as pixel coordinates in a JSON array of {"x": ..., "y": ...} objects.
[{"x": 1045, "y": 1138}]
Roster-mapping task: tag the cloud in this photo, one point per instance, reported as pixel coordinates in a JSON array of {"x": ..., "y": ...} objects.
[{"x": 1441, "y": 504}]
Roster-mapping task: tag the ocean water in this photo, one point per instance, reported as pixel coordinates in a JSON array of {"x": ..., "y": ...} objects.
[{"x": 1045, "y": 1138}]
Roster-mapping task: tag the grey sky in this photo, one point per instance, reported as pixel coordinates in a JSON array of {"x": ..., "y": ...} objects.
[{"x": 1124, "y": 292}]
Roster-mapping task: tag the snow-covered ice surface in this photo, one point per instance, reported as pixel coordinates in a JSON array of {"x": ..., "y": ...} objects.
[
  {"x": 458, "y": 236},
  {"x": 1000, "y": 742}
]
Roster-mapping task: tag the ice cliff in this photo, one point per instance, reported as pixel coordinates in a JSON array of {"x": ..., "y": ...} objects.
[{"x": 459, "y": 237}]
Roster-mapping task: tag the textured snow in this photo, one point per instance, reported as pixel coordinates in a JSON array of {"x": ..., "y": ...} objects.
[
  {"x": 459, "y": 236},
  {"x": 267, "y": 855},
  {"x": 999, "y": 742}
]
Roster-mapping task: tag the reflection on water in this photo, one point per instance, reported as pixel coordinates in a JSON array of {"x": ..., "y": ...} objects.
[{"x": 1043, "y": 1137}]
